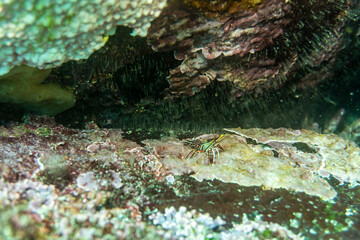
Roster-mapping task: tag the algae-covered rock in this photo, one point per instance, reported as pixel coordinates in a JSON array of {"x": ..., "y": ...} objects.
[
  {"x": 323, "y": 154},
  {"x": 297, "y": 160},
  {"x": 63, "y": 183},
  {"x": 254, "y": 45}
]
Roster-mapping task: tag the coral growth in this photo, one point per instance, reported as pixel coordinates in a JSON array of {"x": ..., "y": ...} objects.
[
  {"x": 44, "y": 34},
  {"x": 193, "y": 225},
  {"x": 224, "y": 8},
  {"x": 280, "y": 158}
]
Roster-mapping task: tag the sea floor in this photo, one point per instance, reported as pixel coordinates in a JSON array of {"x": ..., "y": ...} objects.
[{"x": 96, "y": 183}]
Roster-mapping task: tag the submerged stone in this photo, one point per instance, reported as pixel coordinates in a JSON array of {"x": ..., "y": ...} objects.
[{"x": 299, "y": 160}]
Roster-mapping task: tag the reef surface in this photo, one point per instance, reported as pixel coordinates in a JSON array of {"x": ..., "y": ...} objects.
[
  {"x": 255, "y": 45},
  {"x": 84, "y": 184}
]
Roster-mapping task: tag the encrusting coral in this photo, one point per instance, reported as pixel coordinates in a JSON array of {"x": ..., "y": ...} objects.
[
  {"x": 218, "y": 7},
  {"x": 23, "y": 85},
  {"x": 257, "y": 46},
  {"x": 280, "y": 158},
  {"x": 44, "y": 34}
]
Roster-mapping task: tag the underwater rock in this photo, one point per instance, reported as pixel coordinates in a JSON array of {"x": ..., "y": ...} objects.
[
  {"x": 71, "y": 216},
  {"x": 193, "y": 225},
  {"x": 58, "y": 182},
  {"x": 297, "y": 160},
  {"x": 323, "y": 154},
  {"x": 252, "y": 229},
  {"x": 23, "y": 85},
  {"x": 255, "y": 45}
]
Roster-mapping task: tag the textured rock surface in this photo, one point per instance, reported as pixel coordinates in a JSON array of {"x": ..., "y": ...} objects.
[
  {"x": 44, "y": 34},
  {"x": 280, "y": 158},
  {"x": 323, "y": 154},
  {"x": 255, "y": 46},
  {"x": 63, "y": 183}
]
